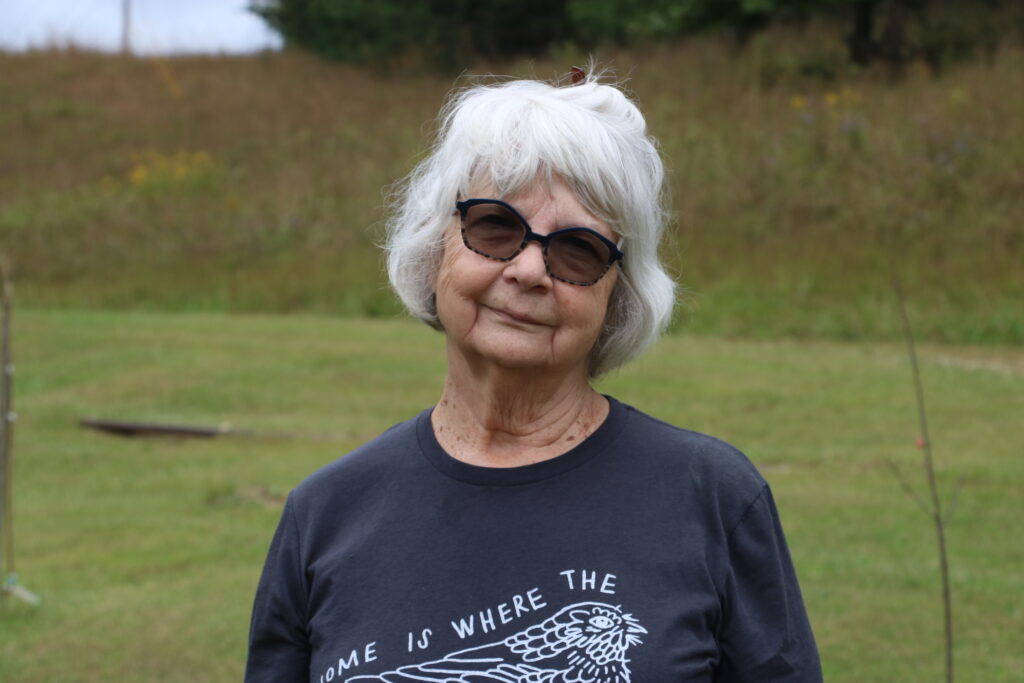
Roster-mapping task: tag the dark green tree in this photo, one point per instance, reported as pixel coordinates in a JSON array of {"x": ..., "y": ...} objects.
[
  {"x": 454, "y": 31},
  {"x": 446, "y": 30}
]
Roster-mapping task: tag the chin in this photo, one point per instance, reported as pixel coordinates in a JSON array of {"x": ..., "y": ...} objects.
[
  {"x": 526, "y": 359},
  {"x": 522, "y": 350},
  {"x": 519, "y": 359}
]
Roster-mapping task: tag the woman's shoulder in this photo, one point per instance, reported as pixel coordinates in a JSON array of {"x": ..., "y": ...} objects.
[{"x": 705, "y": 460}]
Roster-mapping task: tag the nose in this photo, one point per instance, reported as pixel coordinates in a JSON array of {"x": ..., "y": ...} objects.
[{"x": 528, "y": 267}]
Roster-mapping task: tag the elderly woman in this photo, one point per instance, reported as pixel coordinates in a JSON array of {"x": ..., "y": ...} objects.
[{"x": 526, "y": 528}]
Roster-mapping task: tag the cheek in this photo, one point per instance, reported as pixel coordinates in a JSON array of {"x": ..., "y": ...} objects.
[
  {"x": 459, "y": 282},
  {"x": 444, "y": 279},
  {"x": 443, "y": 284},
  {"x": 596, "y": 308},
  {"x": 582, "y": 320}
]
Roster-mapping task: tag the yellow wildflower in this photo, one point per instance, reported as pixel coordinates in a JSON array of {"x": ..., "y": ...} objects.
[{"x": 138, "y": 174}]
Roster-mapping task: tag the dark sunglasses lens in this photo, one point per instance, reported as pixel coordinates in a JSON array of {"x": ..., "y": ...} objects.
[
  {"x": 492, "y": 230},
  {"x": 578, "y": 256}
]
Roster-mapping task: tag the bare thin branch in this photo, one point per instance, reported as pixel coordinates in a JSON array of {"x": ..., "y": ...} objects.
[
  {"x": 907, "y": 488},
  {"x": 954, "y": 499},
  {"x": 929, "y": 468}
]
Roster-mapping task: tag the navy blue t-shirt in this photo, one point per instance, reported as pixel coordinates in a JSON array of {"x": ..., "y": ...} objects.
[{"x": 647, "y": 554}]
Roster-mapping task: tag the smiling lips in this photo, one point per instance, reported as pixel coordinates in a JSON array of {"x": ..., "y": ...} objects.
[{"x": 516, "y": 317}]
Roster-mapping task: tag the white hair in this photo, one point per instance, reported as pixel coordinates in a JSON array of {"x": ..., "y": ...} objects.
[{"x": 509, "y": 135}]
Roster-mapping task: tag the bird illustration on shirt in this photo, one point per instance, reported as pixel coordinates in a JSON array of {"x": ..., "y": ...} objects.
[{"x": 582, "y": 643}]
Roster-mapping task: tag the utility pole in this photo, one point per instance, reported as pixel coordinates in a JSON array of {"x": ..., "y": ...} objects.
[{"x": 126, "y": 27}]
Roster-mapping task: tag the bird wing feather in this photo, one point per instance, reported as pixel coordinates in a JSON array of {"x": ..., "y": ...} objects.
[{"x": 461, "y": 670}]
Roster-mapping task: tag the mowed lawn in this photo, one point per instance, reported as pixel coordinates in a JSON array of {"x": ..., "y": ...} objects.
[{"x": 146, "y": 552}]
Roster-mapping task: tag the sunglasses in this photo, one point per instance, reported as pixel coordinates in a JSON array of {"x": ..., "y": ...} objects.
[{"x": 579, "y": 256}]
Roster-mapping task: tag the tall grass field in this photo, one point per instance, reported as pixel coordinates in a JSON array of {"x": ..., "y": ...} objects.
[
  {"x": 146, "y": 552},
  {"x": 257, "y": 183}
]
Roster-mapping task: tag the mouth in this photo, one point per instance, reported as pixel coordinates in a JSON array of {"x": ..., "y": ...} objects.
[{"x": 513, "y": 316}]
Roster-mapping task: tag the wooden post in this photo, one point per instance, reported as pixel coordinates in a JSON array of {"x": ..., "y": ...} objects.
[
  {"x": 8, "y": 575},
  {"x": 7, "y": 427}
]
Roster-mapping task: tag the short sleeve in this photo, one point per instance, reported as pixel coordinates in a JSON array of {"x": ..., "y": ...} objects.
[
  {"x": 765, "y": 636},
  {"x": 278, "y": 640}
]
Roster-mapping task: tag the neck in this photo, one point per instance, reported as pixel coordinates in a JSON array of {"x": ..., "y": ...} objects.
[{"x": 500, "y": 417}]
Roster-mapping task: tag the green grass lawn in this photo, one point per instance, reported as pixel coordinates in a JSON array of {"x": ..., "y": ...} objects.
[{"x": 146, "y": 552}]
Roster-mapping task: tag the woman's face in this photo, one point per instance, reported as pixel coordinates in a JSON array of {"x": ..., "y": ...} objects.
[{"x": 512, "y": 313}]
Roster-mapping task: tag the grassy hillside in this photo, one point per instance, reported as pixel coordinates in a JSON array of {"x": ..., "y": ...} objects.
[
  {"x": 146, "y": 552},
  {"x": 255, "y": 183}
]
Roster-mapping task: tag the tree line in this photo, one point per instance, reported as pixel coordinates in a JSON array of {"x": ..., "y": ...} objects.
[{"x": 456, "y": 31}]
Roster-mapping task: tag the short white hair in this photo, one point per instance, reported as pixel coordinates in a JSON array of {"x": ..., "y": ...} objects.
[{"x": 511, "y": 134}]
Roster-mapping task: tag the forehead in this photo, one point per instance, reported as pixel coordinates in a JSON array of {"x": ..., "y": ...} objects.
[{"x": 548, "y": 201}]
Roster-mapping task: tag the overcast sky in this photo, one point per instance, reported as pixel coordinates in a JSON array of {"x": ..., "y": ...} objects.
[{"x": 158, "y": 26}]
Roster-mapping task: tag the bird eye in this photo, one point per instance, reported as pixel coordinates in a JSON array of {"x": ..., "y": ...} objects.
[{"x": 600, "y": 622}]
